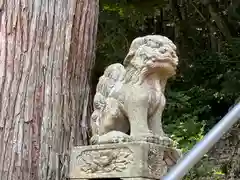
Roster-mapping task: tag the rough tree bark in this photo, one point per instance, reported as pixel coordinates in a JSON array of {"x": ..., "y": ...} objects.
[{"x": 46, "y": 54}]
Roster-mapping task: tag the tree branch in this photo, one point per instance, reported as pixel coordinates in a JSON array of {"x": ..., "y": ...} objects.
[{"x": 219, "y": 21}]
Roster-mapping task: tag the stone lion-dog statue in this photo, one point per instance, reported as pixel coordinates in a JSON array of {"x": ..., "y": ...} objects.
[{"x": 130, "y": 98}]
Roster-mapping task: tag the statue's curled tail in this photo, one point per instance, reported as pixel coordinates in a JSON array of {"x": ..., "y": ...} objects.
[{"x": 112, "y": 74}]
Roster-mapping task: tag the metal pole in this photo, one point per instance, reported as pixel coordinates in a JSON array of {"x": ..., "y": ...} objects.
[{"x": 201, "y": 148}]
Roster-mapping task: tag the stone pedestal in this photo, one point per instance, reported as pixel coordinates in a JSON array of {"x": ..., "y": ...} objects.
[{"x": 132, "y": 160}]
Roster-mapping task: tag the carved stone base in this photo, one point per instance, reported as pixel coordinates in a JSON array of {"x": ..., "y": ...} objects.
[{"x": 133, "y": 160}]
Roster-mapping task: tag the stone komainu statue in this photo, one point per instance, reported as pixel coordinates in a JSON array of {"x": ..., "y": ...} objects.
[{"x": 130, "y": 97}]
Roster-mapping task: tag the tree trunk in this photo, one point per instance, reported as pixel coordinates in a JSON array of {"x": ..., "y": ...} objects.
[{"x": 46, "y": 55}]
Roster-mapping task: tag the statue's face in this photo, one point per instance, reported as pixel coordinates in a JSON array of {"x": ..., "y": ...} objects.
[{"x": 162, "y": 60}]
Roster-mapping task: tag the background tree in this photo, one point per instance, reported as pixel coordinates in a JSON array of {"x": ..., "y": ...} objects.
[{"x": 46, "y": 55}]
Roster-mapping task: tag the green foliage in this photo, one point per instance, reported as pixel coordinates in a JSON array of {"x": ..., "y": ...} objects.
[
  {"x": 205, "y": 169},
  {"x": 208, "y": 81}
]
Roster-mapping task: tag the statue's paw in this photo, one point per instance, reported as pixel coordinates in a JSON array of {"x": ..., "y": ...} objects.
[{"x": 110, "y": 137}]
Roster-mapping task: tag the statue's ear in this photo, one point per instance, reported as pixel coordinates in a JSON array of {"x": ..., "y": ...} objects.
[
  {"x": 128, "y": 58},
  {"x": 136, "y": 43}
]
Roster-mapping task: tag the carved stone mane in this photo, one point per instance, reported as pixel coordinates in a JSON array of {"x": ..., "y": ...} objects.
[{"x": 132, "y": 75}]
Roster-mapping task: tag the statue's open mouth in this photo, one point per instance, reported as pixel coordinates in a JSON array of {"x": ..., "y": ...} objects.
[{"x": 168, "y": 60}]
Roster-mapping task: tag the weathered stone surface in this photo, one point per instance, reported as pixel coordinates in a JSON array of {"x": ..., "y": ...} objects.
[
  {"x": 104, "y": 160},
  {"x": 123, "y": 160},
  {"x": 130, "y": 97}
]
